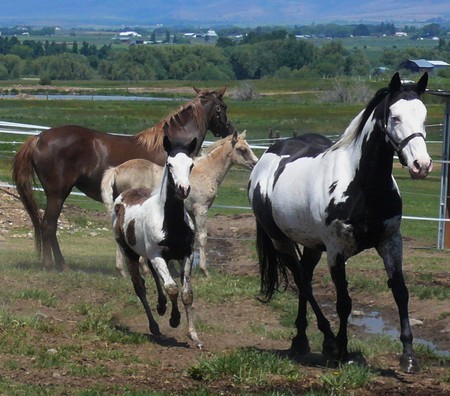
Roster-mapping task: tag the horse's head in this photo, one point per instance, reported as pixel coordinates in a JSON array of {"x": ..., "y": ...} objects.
[
  {"x": 403, "y": 121},
  {"x": 242, "y": 154},
  {"x": 215, "y": 111},
  {"x": 179, "y": 165}
]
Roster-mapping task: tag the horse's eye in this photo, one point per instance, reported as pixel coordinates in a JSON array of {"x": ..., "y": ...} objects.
[
  {"x": 396, "y": 119},
  {"x": 218, "y": 109},
  {"x": 243, "y": 150}
]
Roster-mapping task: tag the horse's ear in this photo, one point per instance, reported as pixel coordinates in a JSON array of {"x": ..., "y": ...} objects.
[
  {"x": 192, "y": 146},
  {"x": 166, "y": 128},
  {"x": 395, "y": 83},
  {"x": 196, "y": 90},
  {"x": 422, "y": 84},
  {"x": 234, "y": 136},
  {"x": 243, "y": 134},
  {"x": 220, "y": 92},
  {"x": 167, "y": 145}
]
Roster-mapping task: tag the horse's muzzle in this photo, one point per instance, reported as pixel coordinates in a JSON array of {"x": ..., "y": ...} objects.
[
  {"x": 183, "y": 192},
  {"x": 420, "y": 170}
]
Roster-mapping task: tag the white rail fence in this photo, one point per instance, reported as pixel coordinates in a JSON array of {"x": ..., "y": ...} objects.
[{"x": 17, "y": 129}]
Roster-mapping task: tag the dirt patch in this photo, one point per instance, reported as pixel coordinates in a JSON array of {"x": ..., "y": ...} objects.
[{"x": 162, "y": 363}]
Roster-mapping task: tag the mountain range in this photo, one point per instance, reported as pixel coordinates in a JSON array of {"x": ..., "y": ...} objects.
[{"x": 218, "y": 12}]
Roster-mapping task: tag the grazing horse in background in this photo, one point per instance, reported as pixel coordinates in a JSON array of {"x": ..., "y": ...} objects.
[
  {"x": 340, "y": 198},
  {"x": 208, "y": 173},
  {"x": 156, "y": 226},
  {"x": 73, "y": 156}
]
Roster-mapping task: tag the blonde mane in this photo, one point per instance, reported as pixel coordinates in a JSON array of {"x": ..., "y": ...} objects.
[
  {"x": 152, "y": 138},
  {"x": 214, "y": 145}
]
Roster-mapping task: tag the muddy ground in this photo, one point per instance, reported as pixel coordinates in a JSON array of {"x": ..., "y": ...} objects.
[{"x": 169, "y": 359}]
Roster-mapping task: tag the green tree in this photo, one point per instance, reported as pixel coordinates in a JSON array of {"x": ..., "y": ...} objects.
[{"x": 12, "y": 63}]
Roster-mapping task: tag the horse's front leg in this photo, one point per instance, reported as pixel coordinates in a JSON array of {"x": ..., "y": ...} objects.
[
  {"x": 187, "y": 296},
  {"x": 170, "y": 287},
  {"x": 162, "y": 299},
  {"x": 202, "y": 235},
  {"x": 391, "y": 251},
  {"x": 343, "y": 302}
]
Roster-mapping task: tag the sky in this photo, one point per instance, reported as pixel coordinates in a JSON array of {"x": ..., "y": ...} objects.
[{"x": 240, "y": 12}]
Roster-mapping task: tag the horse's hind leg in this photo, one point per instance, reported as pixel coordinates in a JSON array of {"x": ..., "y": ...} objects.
[
  {"x": 120, "y": 263},
  {"x": 309, "y": 260},
  {"x": 391, "y": 252},
  {"x": 49, "y": 239},
  {"x": 187, "y": 296},
  {"x": 343, "y": 302},
  {"x": 139, "y": 288},
  {"x": 287, "y": 254}
]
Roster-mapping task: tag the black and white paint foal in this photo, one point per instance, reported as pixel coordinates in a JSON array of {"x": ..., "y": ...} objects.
[
  {"x": 156, "y": 226},
  {"x": 340, "y": 198}
]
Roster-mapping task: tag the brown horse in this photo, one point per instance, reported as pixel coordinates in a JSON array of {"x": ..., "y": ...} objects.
[{"x": 73, "y": 156}]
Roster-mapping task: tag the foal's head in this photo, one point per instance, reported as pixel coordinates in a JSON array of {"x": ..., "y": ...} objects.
[
  {"x": 242, "y": 154},
  {"x": 179, "y": 165}
]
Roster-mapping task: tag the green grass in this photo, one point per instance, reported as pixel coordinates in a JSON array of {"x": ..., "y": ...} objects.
[
  {"x": 245, "y": 366},
  {"x": 347, "y": 378}
]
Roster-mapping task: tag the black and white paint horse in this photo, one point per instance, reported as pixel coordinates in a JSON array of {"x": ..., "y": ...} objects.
[
  {"x": 340, "y": 198},
  {"x": 155, "y": 226}
]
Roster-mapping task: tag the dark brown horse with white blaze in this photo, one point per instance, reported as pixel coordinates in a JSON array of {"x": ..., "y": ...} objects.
[{"x": 71, "y": 156}]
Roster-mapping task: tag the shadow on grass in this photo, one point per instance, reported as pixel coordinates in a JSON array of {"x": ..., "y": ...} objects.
[
  {"x": 318, "y": 360},
  {"x": 88, "y": 269},
  {"x": 161, "y": 340}
]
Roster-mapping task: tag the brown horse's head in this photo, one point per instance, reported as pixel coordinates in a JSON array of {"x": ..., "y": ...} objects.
[{"x": 215, "y": 111}]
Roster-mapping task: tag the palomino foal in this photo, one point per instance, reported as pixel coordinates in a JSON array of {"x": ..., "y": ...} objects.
[
  {"x": 209, "y": 171},
  {"x": 155, "y": 226}
]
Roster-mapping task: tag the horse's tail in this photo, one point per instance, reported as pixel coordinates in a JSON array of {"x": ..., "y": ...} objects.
[
  {"x": 23, "y": 176},
  {"x": 107, "y": 186},
  {"x": 271, "y": 265}
]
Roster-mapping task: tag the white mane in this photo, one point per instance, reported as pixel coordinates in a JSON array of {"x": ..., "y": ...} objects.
[{"x": 350, "y": 133}]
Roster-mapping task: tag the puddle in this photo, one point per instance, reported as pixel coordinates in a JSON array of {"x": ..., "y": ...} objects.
[{"x": 373, "y": 323}]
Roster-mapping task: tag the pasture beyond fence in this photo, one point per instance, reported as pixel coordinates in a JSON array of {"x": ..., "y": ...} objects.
[{"x": 443, "y": 237}]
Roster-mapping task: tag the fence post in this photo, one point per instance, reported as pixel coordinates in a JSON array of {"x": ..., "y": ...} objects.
[{"x": 444, "y": 200}]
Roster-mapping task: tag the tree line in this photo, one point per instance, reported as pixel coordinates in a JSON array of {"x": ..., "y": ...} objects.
[{"x": 275, "y": 53}]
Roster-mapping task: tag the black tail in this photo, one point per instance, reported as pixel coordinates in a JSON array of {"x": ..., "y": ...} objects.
[{"x": 271, "y": 267}]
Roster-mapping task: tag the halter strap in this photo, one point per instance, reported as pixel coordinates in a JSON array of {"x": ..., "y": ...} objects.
[{"x": 399, "y": 146}]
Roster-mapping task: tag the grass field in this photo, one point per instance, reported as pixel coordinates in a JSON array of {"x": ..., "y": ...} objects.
[{"x": 84, "y": 332}]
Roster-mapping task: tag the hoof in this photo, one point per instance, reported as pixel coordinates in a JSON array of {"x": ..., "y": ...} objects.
[
  {"x": 174, "y": 320},
  {"x": 409, "y": 364},
  {"x": 200, "y": 345},
  {"x": 161, "y": 308},
  {"x": 330, "y": 349},
  {"x": 154, "y": 330},
  {"x": 299, "y": 348}
]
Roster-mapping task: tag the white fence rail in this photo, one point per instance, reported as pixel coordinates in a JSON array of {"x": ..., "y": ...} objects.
[{"x": 12, "y": 128}]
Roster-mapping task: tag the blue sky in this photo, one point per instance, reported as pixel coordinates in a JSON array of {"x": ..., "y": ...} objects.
[{"x": 242, "y": 12}]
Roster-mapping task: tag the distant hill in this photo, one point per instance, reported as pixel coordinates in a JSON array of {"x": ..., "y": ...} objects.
[{"x": 209, "y": 12}]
